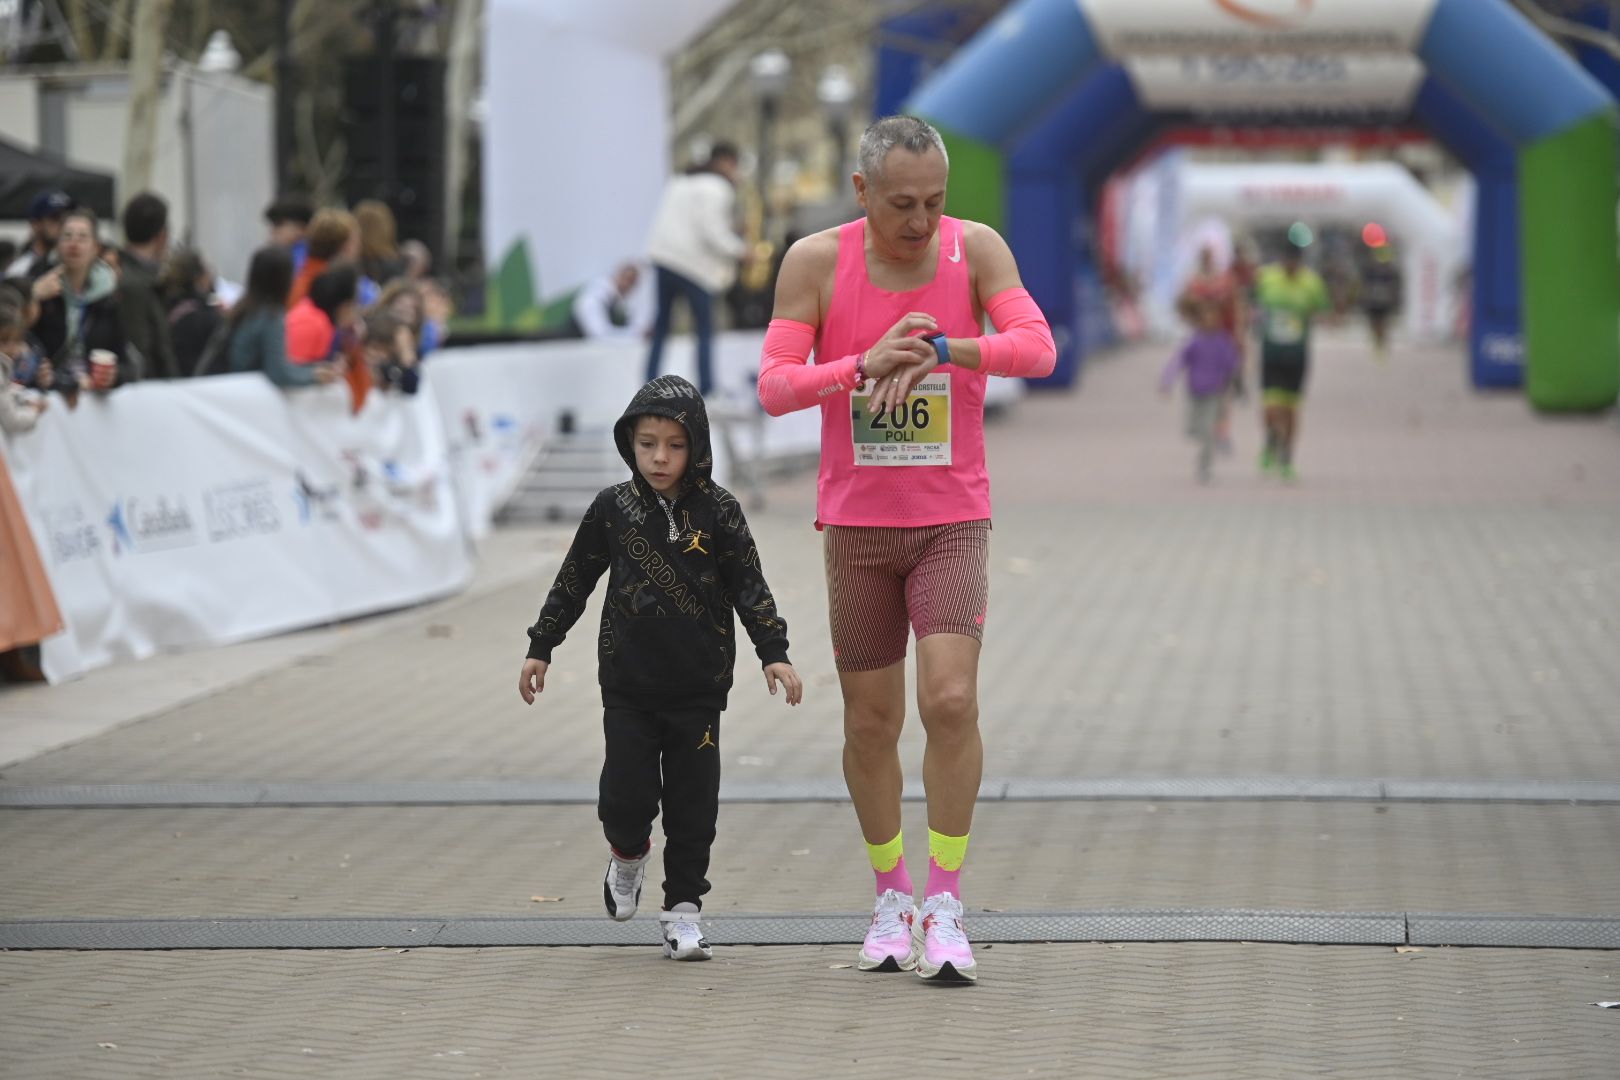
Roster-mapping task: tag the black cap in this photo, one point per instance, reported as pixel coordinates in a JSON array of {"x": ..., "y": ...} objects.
[{"x": 49, "y": 204}]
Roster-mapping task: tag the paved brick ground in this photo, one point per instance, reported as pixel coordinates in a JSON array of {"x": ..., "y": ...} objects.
[
  {"x": 1436, "y": 599},
  {"x": 1216, "y": 1012}
]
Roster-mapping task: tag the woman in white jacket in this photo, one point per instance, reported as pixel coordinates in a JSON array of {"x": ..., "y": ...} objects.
[{"x": 694, "y": 250}]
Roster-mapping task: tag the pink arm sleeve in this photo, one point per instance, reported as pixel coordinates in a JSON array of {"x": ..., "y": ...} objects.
[
  {"x": 1024, "y": 346},
  {"x": 787, "y": 381}
]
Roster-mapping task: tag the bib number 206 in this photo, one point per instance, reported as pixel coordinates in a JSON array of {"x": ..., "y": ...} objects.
[{"x": 909, "y": 414}]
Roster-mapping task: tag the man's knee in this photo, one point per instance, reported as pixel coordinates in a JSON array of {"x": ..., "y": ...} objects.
[
  {"x": 951, "y": 708},
  {"x": 874, "y": 726}
]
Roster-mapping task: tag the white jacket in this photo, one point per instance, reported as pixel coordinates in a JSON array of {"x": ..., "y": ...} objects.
[{"x": 692, "y": 233}]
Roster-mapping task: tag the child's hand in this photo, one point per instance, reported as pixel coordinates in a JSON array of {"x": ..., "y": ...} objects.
[
  {"x": 533, "y": 679},
  {"x": 790, "y": 682}
]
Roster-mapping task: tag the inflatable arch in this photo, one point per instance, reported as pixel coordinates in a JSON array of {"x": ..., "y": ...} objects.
[{"x": 1053, "y": 95}]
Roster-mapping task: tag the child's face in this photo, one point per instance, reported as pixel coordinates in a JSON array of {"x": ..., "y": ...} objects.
[
  {"x": 662, "y": 448},
  {"x": 1209, "y": 317}
]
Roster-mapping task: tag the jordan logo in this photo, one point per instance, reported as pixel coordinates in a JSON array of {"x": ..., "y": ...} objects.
[
  {"x": 708, "y": 739},
  {"x": 695, "y": 537},
  {"x": 956, "y": 252}
]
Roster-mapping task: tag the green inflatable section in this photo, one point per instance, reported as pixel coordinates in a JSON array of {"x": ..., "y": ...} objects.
[
  {"x": 977, "y": 190},
  {"x": 1571, "y": 277}
]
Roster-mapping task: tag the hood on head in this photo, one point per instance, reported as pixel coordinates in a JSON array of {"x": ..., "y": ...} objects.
[{"x": 673, "y": 398}]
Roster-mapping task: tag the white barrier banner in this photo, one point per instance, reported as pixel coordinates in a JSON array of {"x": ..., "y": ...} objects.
[
  {"x": 183, "y": 514},
  {"x": 1131, "y": 27}
]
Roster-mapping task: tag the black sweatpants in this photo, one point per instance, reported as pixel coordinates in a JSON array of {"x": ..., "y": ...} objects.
[{"x": 670, "y": 756}]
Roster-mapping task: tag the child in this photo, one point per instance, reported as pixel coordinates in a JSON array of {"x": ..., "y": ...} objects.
[
  {"x": 19, "y": 407},
  {"x": 679, "y": 556},
  {"x": 1210, "y": 360}
]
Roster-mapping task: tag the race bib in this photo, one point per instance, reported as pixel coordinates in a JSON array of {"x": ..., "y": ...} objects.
[
  {"x": 917, "y": 433},
  {"x": 1286, "y": 328}
]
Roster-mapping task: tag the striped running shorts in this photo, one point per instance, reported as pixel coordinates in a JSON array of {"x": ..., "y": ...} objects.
[{"x": 881, "y": 580}]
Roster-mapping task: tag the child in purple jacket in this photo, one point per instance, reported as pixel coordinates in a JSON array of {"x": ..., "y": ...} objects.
[{"x": 1210, "y": 361}]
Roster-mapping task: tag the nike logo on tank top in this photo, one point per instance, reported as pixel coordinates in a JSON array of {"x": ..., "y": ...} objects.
[{"x": 923, "y": 464}]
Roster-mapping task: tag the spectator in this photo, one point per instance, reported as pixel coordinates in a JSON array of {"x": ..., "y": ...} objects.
[
  {"x": 331, "y": 233},
  {"x": 694, "y": 251},
  {"x": 403, "y": 300},
  {"x": 314, "y": 321},
  {"x": 44, "y": 231},
  {"x": 193, "y": 314},
  {"x": 391, "y": 352},
  {"x": 417, "y": 258},
  {"x": 380, "y": 259},
  {"x": 19, "y": 407},
  {"x": 146, "y": 318},
  {"x": 78, "y": 312},
  {"x": 437, "y": 309},
  {"x": 31, "y": 368},
  {"x": 258, "y": 339},
  {"x": 8, "y": 252},
  {"x": 612, "y": 308},
  {"x": 289, "y": 218}
]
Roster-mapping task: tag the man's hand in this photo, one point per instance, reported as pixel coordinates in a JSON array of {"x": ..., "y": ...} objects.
[
  {"x": 891, "y": 393},
  {"x": 787, "y": 676},
  {"x": 48, "y": 286},
  {"x": 44, "y": 376},
  {"x": 900, "y": 348},
  {"x": 533, "y": 679}
]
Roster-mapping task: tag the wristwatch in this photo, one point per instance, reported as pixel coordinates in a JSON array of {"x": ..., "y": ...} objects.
[{"x": 942, "y": 347}]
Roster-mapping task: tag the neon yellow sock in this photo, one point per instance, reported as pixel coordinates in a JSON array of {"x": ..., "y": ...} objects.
[
  {"x": 947, "y": 851},
  {"x": 885, "y": 857}
]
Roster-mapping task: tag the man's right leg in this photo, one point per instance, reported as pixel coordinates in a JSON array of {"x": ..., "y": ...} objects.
[{"x": 669, "y": 285}]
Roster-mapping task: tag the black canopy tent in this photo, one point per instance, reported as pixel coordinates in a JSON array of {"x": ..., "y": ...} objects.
[{"x": 26, "y": 173}]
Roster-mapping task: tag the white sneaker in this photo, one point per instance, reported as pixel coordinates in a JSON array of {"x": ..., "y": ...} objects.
[
  {"x": 946, "y": 954},
  {"x": 621, "y": 885},
  {"x": 683, "y": 937},
  {"x": 895, "y": 936}
]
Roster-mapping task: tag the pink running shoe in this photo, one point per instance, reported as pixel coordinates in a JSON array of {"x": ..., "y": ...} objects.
[
  {"x": 894, "y": 940},
  {"x": 946, "y": 954}
]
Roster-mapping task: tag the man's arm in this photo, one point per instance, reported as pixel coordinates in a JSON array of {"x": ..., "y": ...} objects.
[
  {"x": 587, "y": 559},
  {"x": 1024, "y": 346}
]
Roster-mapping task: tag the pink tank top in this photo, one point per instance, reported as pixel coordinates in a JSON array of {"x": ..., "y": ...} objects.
[{"x": 848, "y": 493}]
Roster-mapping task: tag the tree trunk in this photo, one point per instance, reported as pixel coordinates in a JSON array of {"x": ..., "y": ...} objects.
[
  {"x": 79, "y": 21},
  {"x": 112, "y": 40},
  {"x": 145, "y": 81},
  {"x": 462, "y": 85}
]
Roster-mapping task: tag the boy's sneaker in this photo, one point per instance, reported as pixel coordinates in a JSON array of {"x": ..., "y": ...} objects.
[
  {"x": 895, "y": 936},
  {"x": 946, "y": 954},
  {"x": 621, "y": 885},
  {"x": 683, "y": 937},
  {"x": 1268, "y": 459}
]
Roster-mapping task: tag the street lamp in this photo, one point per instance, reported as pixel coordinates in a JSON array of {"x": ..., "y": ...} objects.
[
  {"x": 769, "y": 72},
  {"x": 836, "y": 92},
  {"x": 220, "y": 55}
]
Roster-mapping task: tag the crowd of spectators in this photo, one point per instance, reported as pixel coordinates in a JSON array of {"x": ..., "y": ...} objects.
[{"x": 332, "y": 296}]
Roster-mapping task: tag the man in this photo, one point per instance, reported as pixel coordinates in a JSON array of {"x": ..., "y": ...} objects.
[
  {"x": 140, "y": 302},
  {"x": 612, "y": 307},
  {"x": 1380, "y": 296},
  {"x": 694, "y": 251},
  {"x": 1289, "y": 295},
  {"x": 44, "y": 230},
  {"x": 904, "y": 498},
  {"x": 289, "y": 218}
]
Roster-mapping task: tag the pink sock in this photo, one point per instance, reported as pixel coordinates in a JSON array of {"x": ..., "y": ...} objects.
[
  {"x": 942, "y": 880},
  {"x": 896, "y": 879}
]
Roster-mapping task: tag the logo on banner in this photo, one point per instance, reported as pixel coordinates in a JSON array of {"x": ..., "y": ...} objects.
[
  {"x": 314, "y": 502},
  {"x": 139, "y": 524},
  {"x": 237, "y": 511},
  {"x": 1253, "y": 11},
  {"x": 70, "y": 533}
]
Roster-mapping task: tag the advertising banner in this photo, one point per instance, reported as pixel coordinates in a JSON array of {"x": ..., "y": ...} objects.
[{"x": 183, "y": 514}]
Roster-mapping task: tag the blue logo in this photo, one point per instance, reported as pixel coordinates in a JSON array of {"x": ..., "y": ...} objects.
[{"x": 120, "y": 531}]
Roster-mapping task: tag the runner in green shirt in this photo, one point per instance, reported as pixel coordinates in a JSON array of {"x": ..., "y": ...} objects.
[{"x": 1288, "y": 296}]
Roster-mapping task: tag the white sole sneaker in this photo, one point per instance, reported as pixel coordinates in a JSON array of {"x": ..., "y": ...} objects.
[
  {"x": 701, "y": 951},
  {"x": 890, "y": 964},
  {"x": 947, "y": 972},
  {"x": 621, "y": 908}
]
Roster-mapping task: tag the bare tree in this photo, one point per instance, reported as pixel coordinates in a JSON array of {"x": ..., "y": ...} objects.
[
  {"x": 145, "y": 77},
  {"x": 462, "y": 85},
  {"x": 115, "y": 33}
]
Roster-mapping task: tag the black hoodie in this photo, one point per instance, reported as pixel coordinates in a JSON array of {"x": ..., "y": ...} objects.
[{"x": 676, "y": 570}]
